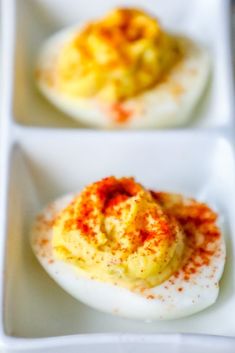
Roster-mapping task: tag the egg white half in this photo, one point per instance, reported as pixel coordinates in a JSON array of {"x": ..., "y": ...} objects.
[
  {"x": 170, "y": 300},
  {"x": 168, "y": 104}
]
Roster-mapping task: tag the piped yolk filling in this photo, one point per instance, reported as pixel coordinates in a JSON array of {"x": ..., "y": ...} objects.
[
  {"x": 116, "y": 231},
  {"x": 116, "y": 58}
]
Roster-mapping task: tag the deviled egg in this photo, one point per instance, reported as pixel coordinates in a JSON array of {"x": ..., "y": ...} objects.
[
  {"x": 125, "y": 250},
  {"x": 123, "y": 71}
]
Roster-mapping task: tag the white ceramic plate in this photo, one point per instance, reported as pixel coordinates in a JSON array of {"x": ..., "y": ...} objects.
[
  {"x": 45, "y": 164},
  {"x": 40, "y": 164}
]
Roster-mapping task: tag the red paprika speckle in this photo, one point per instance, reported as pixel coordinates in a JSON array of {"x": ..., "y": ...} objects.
[{"x": 120, "y": 114}]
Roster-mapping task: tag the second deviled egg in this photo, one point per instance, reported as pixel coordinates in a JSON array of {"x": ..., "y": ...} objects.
[{"x": 123, "y": 71}]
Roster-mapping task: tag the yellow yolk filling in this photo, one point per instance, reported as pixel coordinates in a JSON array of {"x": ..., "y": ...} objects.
[
  {"x": 117, "y": 57},
  {"x": 116, "y": 232}
]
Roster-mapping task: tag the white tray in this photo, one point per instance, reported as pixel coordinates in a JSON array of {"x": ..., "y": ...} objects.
[{"x": 41, "y": 160}]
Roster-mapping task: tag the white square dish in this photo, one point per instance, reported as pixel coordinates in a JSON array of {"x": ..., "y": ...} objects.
[
  {"x": 36, "y": 309},
  {"x": 34, "y": 21}
]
